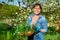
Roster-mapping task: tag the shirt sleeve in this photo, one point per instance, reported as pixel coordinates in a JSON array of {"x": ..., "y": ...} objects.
[
  {"x": 44, "y": 24},
  {"x": 28, "y": 19}
]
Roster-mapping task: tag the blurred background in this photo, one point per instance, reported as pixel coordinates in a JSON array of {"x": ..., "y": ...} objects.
[{"x": 13, "y": 15}]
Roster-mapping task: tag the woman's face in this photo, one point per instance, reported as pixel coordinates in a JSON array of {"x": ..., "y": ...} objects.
[{"x": 36, "y": 10}]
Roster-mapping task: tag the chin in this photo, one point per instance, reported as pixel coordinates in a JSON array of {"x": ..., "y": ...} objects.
[{"x": 37, "y": 13}]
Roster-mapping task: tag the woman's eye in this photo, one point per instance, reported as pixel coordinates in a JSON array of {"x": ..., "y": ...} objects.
[{"x": 37, "y": 8}]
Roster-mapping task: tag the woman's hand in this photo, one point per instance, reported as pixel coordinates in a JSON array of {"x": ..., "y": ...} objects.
[{"x": 42, "y": 30}]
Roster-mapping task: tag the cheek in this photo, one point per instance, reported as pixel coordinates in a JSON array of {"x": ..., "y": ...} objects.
[{"x": 37, "y": 11}]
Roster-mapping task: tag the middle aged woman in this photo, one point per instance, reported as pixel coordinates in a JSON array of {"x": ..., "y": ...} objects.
[{"x": 39, "y": 21}]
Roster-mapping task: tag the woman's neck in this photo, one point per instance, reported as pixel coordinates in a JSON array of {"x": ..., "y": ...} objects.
[{"x": 36, "y": 15}]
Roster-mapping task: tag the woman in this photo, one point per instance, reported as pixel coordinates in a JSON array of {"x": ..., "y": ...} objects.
[{"x": 39, "y": 21}]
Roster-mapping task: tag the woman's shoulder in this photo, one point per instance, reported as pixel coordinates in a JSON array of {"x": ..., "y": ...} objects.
[
  {"x": 31, "y": 15},
  {"x": 42, "y": 17}
]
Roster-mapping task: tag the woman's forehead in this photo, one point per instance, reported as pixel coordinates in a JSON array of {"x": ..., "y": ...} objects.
[{"x": 37, "y": 6}]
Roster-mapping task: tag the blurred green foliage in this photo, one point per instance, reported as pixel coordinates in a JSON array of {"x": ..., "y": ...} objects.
[{"x": 18, "y": 16}]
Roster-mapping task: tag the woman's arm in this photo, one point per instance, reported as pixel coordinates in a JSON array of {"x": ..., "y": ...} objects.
[{"x": 44, "y": 25}]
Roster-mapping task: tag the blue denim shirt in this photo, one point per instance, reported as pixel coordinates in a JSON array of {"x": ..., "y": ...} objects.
[{"x": 40, "y": 24}]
